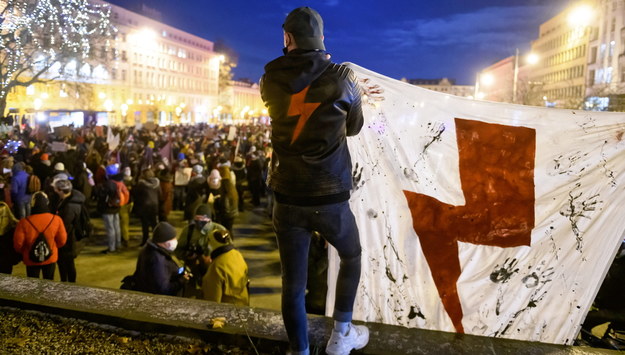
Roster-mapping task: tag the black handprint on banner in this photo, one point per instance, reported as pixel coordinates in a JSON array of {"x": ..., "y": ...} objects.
[
  {"x": 357, "y": 181},
  {"x": 504, "y": 273}
]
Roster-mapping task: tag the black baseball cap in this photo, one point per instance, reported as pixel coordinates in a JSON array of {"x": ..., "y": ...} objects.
[{"x": 306, "y": 26}]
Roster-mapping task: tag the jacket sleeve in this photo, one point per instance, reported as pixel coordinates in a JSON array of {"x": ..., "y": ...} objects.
[
  {"x": 212, "y": 285},
  {"x": 61, "y": 234},
  {"x": 355, "y": 118}
]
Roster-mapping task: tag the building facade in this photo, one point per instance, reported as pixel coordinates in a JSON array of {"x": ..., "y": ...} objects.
[
  {"x": 444, "y": 85},
  {"x": 148, "y": 72},
  {"x": 562, "y": 46},
  {"x": 606, "y": 60}
]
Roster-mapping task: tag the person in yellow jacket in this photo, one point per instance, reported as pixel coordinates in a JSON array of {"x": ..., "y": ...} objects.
[{"x": 226, "y": 280}]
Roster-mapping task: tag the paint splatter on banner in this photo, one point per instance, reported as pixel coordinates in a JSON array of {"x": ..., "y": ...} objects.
[{"x": 483, "y": 218}]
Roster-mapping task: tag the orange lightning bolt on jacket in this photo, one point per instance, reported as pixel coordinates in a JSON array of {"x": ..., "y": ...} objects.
[{"x": 314, "y": 105}]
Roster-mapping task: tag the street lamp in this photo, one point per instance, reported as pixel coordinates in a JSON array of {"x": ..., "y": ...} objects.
[{"x": 530, "y": 59}]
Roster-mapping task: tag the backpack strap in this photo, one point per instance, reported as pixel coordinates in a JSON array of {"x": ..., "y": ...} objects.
[{"x": 31, "y": 223}]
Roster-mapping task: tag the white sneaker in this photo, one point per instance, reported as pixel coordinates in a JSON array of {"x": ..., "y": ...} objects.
[{"x": 357, "y": 337}]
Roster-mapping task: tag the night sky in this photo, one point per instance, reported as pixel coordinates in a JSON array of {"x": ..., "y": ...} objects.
[{"x": 397, "y": 38}]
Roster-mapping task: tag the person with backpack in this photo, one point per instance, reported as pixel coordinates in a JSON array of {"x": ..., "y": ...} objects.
[
  {"x": 109, "y": 202},
  {"x": 68, "y": 204},
  {"x": 38, "y": 238}
]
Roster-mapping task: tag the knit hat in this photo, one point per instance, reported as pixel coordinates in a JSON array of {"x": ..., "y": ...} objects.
[
  {"x": 163, "y": 232},
  {"x": 306, "y": 26},
  {"x": 44, "y": 156},
  {"x": 59, "y": 166},
  {"x": 203, "y": 210},
  {"x": 198, "y": 169}
]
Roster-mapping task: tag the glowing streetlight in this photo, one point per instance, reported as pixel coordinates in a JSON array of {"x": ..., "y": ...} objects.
[
  {"x": 37, "y": 104},
  {"x": 532, "y": 58},
  {"x": 487, "y": 79},
  {"x": 108, "y": 105},
  {"x": 580, "y": 16}
]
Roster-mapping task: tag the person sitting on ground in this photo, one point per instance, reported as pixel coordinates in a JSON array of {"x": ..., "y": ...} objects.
[
  {"x": 193, "y": 248},
  {"x": 157, "y": 272},
  {"x": 226, "y": 280},
  {"x": 40, "y": 255}
]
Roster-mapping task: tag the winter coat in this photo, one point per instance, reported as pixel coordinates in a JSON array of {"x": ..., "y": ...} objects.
[
  {"x": 167, "y": 194},
  {"x": 19, "y": 185},
  {"x": 196, "y": 239},
  {"x": 69, "y": 210},
  {"x": 226, "y": 280},
  {"x": 196, "y": 190},
  {"x": 25, "y": 235},
  {"x": 103, "y": 192},
  {"x": 310, "y": 154},
  {"x": 226, "y": 204},
  {"x": 146, "y": 197},
  {"x": 157, "y": 272}
]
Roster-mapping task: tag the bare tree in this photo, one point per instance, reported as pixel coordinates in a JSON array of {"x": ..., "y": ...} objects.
[{"x": 38, "y": 38}]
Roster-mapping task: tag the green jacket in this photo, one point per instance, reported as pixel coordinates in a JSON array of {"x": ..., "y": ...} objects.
[{"x": 197, "y": 239}]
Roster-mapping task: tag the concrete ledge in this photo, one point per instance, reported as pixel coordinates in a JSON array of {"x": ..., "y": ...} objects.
[{"x": 188, "y": 317}]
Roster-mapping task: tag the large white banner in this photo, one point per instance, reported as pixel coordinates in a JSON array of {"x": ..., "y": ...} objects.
[{"x": 483, "y": 218}]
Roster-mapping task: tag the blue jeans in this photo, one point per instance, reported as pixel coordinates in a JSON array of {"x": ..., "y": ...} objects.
[
  {"x": 22, "y": 209},
  {"x": 113, "y": 231},
  {"x": 294, "y": 226}
]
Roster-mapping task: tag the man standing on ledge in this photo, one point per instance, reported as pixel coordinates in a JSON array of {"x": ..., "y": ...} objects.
[{"x": 314, "y": 104}]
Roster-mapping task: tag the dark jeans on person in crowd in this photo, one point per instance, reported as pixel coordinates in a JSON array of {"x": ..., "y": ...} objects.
[
  {"x": 180, "y": 195},
  {"x": 256, "y": 188},
  {"x": 22, "y": 209},
  {"x": 294, "y": 226},
  {"x": 46, "y": 270},
  {"x": 147, "y": 221},
  {"x": 67, "y": 268},
  {"x": 241, "y": 192}
]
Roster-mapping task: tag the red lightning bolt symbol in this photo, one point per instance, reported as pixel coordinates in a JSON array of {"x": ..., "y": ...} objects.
[{"x": 298, "y": 107}]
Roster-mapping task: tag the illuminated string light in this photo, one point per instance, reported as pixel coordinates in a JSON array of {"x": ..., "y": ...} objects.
[{"x": 36, "y": 35}]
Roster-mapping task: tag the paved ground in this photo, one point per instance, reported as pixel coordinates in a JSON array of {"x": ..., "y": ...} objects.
[{"x": 253, "y": 234}]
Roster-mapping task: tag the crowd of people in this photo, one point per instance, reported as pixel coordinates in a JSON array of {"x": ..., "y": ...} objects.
[{"x": 53, "y": 182}]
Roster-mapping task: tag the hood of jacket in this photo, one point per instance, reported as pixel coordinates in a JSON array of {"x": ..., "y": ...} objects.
[
  {"x": 297, "y": 69},
  {"x": 152, "y": 183},
  {"x": 77, "y": 197}
]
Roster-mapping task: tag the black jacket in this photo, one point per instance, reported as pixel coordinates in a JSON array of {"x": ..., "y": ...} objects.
[
  {"x": 314, "y": 104},
  {"x": 157, "y": 272},
  {"x": 69, "y": 211},
  {"x": 146, "y": 195}
]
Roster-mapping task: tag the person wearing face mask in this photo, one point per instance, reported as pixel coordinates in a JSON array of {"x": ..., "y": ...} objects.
[
  {"x": 157, "y": 272},
  {"x": 193, "y": 248}
]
